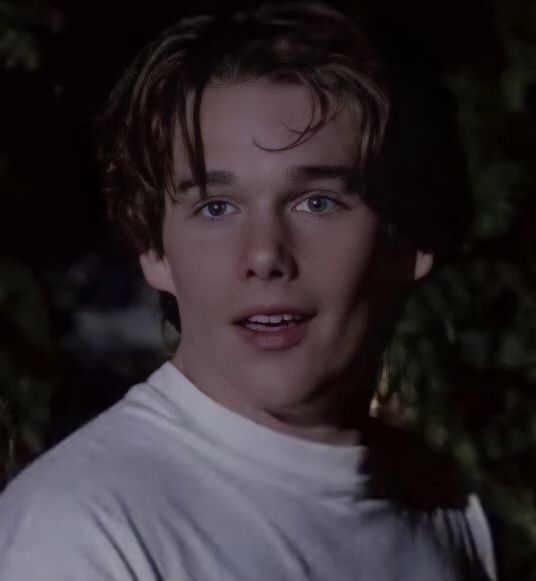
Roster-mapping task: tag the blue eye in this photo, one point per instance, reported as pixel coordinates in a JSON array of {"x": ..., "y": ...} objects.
[
  {"x": 319, "y": 204},
  {"x": 214, "y": 209}
]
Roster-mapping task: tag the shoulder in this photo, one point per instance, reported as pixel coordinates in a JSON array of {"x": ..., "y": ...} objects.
[
  {"x": 74, "y": 509},
  {"x": 131, "y": 439},
  {"x": 44, "y": 514},
  {"x": 429, "y": 489}
]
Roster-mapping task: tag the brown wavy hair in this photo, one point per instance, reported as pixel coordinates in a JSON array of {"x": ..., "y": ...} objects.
[{"x": 305, "y": 43}]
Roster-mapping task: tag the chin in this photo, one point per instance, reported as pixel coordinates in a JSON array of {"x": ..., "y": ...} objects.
[{"x": 274, "y": 389}]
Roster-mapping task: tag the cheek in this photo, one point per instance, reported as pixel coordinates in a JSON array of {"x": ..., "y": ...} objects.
[
  {"x": 343, "y": 264},
  {"x": 199, "y": 277}
]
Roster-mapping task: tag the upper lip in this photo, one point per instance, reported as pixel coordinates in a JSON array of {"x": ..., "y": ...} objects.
[{"x": 273, "y": 309}]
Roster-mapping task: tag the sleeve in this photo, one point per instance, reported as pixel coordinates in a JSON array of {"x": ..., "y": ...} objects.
[
  {"x": 465, "y": 536},
  {"x": 481, "y": 538},
  {"x": 47, "y": 535}
]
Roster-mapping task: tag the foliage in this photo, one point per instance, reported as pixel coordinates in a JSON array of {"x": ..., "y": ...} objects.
[
  {"x": 27, "y": 368},
  {"x": 28, "y": 357},
  {"x": 463, "y": 360},
  {"x": 21, "y": 25}
]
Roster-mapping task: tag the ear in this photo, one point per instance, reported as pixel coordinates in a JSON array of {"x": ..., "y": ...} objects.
[
  {"x": 423, "y": 264},
  {"x": 157, "y": 272}
]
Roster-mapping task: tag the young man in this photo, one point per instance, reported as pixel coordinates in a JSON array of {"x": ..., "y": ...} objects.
[{"x": 244, "y": 160}]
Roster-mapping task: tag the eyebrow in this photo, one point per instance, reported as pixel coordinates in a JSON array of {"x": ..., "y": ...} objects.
[
  {"x": 304, "y": 173},
  {"x": 213, "y": 178},
  {"x": 296, "y": 174}
]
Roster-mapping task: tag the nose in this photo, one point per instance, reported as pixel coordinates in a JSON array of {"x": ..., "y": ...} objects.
[{"x": 267, "y": 250}]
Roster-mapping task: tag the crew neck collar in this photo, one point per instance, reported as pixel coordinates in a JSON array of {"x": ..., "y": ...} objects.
[{"x": 325, "y": 469}]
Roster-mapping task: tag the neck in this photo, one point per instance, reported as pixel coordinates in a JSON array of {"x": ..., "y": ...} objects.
[
  {"x": 336, "y": 413},
  {"x": 317, "y": 432}
]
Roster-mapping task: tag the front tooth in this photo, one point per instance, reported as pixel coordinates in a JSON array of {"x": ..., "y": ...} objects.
[
  {"x": 276, "y": 318},
  {"x": 259, "y": 319}
]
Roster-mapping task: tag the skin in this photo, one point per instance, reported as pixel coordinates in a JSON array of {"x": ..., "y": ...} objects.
[{"x": 309, "y": 242}]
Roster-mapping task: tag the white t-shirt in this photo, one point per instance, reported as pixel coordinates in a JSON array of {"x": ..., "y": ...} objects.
[{"x": 169, "y": 485}]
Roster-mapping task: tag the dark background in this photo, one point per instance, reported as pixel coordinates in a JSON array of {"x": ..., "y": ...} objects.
[{"x": 78, "y": 327}]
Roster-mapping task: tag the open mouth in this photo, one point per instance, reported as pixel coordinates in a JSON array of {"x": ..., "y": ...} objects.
[
  {"x": 272, "y": 324},
  {"x": 274, "y": 332}
]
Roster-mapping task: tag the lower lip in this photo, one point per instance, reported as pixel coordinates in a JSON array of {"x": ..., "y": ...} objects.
[{"x": 274, "y": 339}]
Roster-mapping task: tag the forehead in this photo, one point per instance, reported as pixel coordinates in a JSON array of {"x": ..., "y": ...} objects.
[{"x": 249, "y": 126}]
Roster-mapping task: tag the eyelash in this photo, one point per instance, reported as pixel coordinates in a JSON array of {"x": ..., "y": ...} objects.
[{"x": 200, "y": 209}]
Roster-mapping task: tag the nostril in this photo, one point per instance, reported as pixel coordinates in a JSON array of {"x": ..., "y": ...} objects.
[{"x": 259, "y": 272}]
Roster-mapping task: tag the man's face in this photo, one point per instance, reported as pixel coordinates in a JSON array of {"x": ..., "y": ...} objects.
[{"x": 281, "y": 232}]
